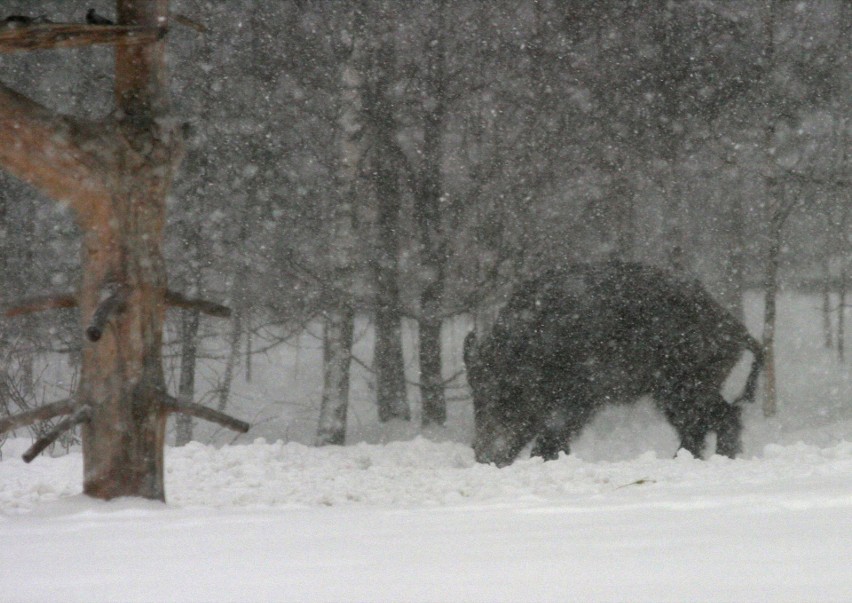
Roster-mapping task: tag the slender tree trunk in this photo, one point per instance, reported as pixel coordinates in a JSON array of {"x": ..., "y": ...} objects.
[
  {"x": 735, "y": 266},
  {"x": 431, "y": 361},
  {"x": 775, "y": 226},
  {"x": 233, "y": 353},
  {"x": 337, "y": 354},
  {"x": 827, "y": 334},
  {"x": 249, "y": 343},
  {"x": 430, "y": 227},
  {"x": 190, "y": 320},
  {"x": 844, "y": 282},
  {"x": 240, "y": 303},
  {"x": 770, "y": 288},
  {"x": 340, "y": 317},
  {"x": 388, "y": 360}
]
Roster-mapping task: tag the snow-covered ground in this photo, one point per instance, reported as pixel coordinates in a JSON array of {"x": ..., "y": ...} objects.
[{"x": 419, "y": 520}]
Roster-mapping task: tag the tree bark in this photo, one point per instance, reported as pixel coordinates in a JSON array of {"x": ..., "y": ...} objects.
[
  {"x": 190, "y": 320},
  {"x": 431, "y": 234},
  {"x": 844, "y": 282},
  {"x": 388, "y": 361},
  {"x": 115, "y": 175},
  {"x": 770, "y": 290},
  {"x": 339, "y": 324},
  {"x": 337, "y": 356}
]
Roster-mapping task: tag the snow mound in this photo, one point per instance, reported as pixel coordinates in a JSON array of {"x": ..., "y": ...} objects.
[{"x": 422, "y": 473}]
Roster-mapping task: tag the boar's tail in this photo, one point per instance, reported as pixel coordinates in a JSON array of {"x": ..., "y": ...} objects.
[{"x": 753, "y": 346}]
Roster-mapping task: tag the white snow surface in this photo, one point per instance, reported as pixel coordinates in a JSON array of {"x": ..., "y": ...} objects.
[
  {"x": 401, "y": 517},
  {"x": 421, "y": 521}
]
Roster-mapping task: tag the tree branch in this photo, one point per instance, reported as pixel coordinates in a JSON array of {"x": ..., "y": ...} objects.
[
  {"x": 171, "y": 404},
  {"x": 42, "y": 413},
  {"x": 40, "y": 304},
  {"x": 63, "y": 157},
  {"x": 80, "y": 416},
  {"x": 75, "y": 35},
  {"x": 109, "y": 307},
  {"x": 179, "y": 300}
]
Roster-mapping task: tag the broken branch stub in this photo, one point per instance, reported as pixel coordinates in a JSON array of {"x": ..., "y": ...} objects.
[
  {"x": 114, "y": 303},
  {"x": 204, "y": 412},
  {"x": 179, "y": 300},
  {"x": 81, "y": 415}
]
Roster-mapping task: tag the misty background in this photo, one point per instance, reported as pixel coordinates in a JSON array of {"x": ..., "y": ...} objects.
[{"x": 403, "y": 164}]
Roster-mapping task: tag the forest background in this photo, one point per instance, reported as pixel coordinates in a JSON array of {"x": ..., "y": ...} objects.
[{"x": 378, "y": 173}]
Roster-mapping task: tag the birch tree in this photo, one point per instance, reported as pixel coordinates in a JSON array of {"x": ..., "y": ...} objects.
[{"x": 339, "y": 319}]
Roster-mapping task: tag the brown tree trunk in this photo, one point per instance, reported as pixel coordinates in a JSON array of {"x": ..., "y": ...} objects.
[
  {"x": 122, "y": 374},
  {"x": 115, "y": 176}
]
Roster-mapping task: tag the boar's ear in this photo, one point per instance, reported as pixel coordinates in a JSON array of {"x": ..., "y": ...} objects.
[{"x": 469, "y": 348}]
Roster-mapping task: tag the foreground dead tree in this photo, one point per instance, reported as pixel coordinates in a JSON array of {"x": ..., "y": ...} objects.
[{"x": 115, "y": 175}]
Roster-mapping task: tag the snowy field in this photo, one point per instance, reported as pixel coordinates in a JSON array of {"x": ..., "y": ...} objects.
[{"x": 419, "y": 520}]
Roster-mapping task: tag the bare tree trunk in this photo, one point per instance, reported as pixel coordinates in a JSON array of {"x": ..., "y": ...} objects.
[
  {"x": 388, "y": 359},
  {"x": 115, "y": 176},
  {"x": 429, "y": 221},
  {"x": 776, "y": 223},
  {"x": 340, "y": 317},
  {"x": 431, "y": 362},
  {"x": 844, "y": 282},
  {"x": 337, "y": 355},
  {"x": 233, "y": 350},
  {"x": 736, "y": 264},
  {"x": 240, "y": 303},
  {"x": 770, "y": 289},
  {"x": 827, "y": 334},
  {"x": 388, "y": 362},
  {"x": 190, "y": 320}
]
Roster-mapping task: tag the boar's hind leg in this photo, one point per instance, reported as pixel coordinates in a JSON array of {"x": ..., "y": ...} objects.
[
  {"x": 696, "y": 414},
  {"x": 728, "y": 427}
]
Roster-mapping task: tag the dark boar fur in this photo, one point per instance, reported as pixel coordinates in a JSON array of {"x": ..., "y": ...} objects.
[{"x": 572, "y": 340}]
